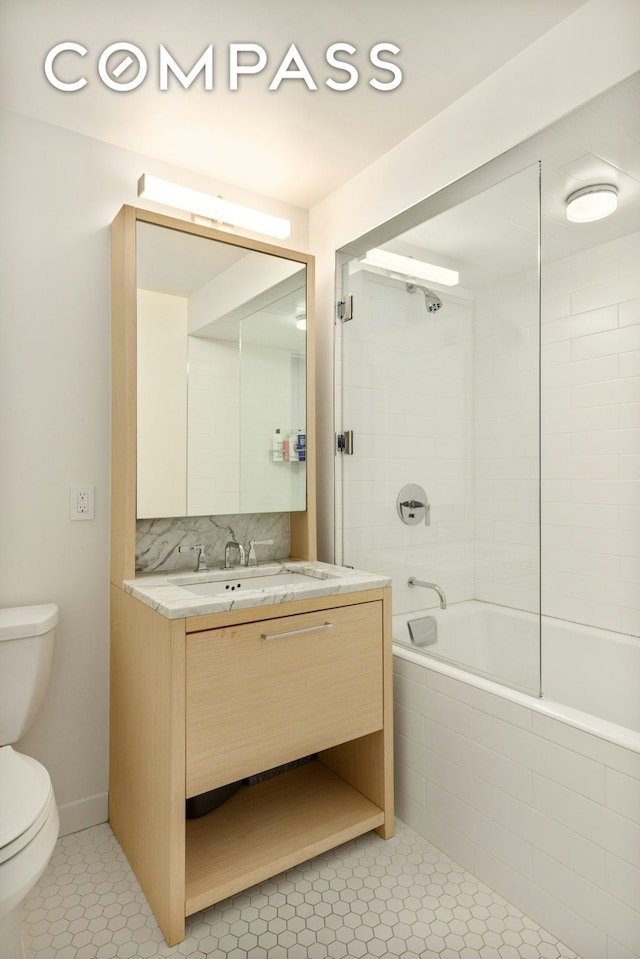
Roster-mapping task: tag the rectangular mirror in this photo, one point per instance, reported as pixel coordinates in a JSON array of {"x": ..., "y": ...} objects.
[{"x": 221, "y": 377}]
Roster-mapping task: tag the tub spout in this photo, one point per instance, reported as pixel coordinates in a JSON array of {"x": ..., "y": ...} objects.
[{"x": 412, "y": 581}]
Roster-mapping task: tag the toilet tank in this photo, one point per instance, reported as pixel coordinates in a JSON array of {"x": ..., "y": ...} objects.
[{"x": 26, "y": 654}]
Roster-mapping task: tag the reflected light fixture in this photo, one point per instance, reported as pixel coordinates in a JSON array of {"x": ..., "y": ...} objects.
[
  {"x": 212, "y": 207},
  {"x": 301, "y": 320},
  {"x": 592, "y": 203},
  {"x": 407, "y": 266}
]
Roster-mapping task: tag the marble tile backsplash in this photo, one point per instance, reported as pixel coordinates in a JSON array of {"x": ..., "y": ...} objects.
[{"x": 157, "y": 540}]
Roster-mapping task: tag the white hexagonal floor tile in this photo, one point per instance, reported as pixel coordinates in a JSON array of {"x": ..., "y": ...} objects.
[{"x": 401, "y": 897}]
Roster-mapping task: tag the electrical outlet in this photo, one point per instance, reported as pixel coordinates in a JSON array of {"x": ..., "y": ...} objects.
[{"x": 81, "y": 502}]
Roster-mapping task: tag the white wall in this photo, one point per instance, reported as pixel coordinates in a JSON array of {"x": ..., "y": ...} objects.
[
  {"x": 60, "y": 193},
  {"x": 162, "y": 404},
  {"x": 273, "y": 397},
  {"x": 237, "y": 399},
  {"x": 213, "y": 426}
]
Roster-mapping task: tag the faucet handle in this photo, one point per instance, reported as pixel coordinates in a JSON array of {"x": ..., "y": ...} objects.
[
  {"x": 202, "y": 566},
  {"x": 252, "y": 561}
]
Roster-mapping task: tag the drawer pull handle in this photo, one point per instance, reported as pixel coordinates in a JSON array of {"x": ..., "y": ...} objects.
[{"x": 297, "y": 632}]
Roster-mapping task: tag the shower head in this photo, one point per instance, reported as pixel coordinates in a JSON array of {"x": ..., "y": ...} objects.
[{"x": 432, "y": 301}]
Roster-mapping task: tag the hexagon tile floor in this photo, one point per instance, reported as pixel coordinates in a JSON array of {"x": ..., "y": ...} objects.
[{"x": 367, "y": 898}]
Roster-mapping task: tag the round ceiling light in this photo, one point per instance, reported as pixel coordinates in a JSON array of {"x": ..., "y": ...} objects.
[{"x": 592, "y": 203}]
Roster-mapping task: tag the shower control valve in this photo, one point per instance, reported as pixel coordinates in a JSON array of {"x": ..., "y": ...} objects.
[{"x": 413, "y": 505}]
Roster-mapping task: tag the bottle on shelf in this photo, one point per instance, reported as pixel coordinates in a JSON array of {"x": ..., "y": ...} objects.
[
  {"x": 293, "y": 447},
  {"x": 301, "y": 446},
  {"x": 277, "y": 447}
]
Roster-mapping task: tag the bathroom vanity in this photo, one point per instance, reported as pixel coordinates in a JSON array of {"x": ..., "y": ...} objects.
[
  {"x": 206, "y": 699},
  {"x": 216, "y": 681}
]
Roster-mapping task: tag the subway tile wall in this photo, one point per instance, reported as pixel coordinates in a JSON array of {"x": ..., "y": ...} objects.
[
  {"x": 591, "y": 436},
  {"x": 545, "y": 813},
  {"x": 506, "y": 433},
  {"x": 451, "y": 401},
  {"x": 406, "y": 392}
]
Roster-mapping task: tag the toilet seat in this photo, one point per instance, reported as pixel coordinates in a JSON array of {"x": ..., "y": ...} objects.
[{"x": 26, "y": 798}]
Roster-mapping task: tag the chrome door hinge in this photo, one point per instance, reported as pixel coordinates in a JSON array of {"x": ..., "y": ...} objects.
[
  {"x": 344, "y": 308},
  {"x": 344, "y": 442}
]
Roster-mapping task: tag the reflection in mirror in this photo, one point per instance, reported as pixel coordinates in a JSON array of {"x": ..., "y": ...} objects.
[{"x": 221, "y": 362}]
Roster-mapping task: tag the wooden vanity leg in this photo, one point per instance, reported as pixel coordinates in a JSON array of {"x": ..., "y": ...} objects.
[
  {"x": 388, "y": 828},
  {"x": 146, "y": 754},
  {"x": 367, "y": 763}
]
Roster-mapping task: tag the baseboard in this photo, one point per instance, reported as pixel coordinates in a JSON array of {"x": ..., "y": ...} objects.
[{"x": 83, "y": 813}]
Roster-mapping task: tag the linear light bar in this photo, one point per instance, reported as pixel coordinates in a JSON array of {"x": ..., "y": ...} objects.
[
  {"x": 408, "y": 266},
  {"x": 213, "y": 207}
]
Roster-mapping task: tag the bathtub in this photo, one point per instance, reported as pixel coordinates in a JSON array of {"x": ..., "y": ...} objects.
[
  {"x": 586, "y": 670},
  {"x": 537, "y": 794}
]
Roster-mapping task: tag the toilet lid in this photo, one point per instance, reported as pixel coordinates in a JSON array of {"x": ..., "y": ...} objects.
[
  {"x": 19, "y": 622},
  {"x": 25, "y": 789}
]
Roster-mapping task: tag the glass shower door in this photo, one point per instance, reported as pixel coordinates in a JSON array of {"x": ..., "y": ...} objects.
[{"x": 440, "y": 386}]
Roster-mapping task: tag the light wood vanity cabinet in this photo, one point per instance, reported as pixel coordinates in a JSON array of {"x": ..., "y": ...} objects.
[
  {"x": 205, "y": 701},
  {"x": 262, "y": 694}
]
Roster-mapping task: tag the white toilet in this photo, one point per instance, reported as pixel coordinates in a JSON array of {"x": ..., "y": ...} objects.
[{"x": 29, "y": 820}]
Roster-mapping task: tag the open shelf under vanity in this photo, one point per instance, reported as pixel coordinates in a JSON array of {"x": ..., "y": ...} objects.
[{"x": 269, "y": 827}]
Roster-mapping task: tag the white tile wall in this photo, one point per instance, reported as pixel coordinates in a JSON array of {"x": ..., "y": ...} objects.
[
  {"x": 506, "y": 444},
  {"x": 591, "y": 437},
  {"x": 406, "y": 394},
  {"x": 541, "y": 811}
]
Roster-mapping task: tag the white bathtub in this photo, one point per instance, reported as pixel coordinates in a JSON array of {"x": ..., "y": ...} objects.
[
  {"x": 539, "y": 797},
  {"x": 592, "y": 671}
]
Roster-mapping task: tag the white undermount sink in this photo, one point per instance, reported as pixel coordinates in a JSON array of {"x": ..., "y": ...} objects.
[{"x": 246, "y": 584}]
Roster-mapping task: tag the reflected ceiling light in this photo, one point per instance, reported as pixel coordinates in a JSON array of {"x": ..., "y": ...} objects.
[
  {"x": 213, "y": 207},
  {"x": 301, "y": 320},
  {"x": 408, "y": 266},
  {"x": 592, "y": 203}
]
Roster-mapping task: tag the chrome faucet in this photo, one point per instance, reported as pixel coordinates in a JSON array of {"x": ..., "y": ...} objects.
[
  {"x": 202, "y": 566},
  {"x": 233, "y": 545},
  {"x": 252, "y": 561},
  {"x": 412, "y": 581}
]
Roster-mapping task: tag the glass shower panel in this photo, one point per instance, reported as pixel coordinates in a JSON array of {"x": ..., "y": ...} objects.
[{"x": 440, "y": 386}]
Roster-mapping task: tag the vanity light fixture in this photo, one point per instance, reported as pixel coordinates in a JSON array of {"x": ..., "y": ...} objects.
[
  {"x": 407, "y": 266},
  {"x": 212, "y": 207},
  {"x": 592, "y": 203}
]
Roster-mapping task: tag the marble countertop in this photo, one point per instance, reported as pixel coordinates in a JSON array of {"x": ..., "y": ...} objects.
[{"x": 168, "y": 592}]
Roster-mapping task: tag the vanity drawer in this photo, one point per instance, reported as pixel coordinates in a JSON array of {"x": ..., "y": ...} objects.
[{"x": 262, "y": 694}]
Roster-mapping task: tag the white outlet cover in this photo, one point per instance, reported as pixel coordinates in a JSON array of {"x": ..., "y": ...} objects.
[{"x": 81, "y": 496}]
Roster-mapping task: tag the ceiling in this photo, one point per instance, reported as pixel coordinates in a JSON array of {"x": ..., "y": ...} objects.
[
  {"x": 292, "y": 143},
  {"x": 181, "y": 264},
  {"x": 494, "y": 234}
]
